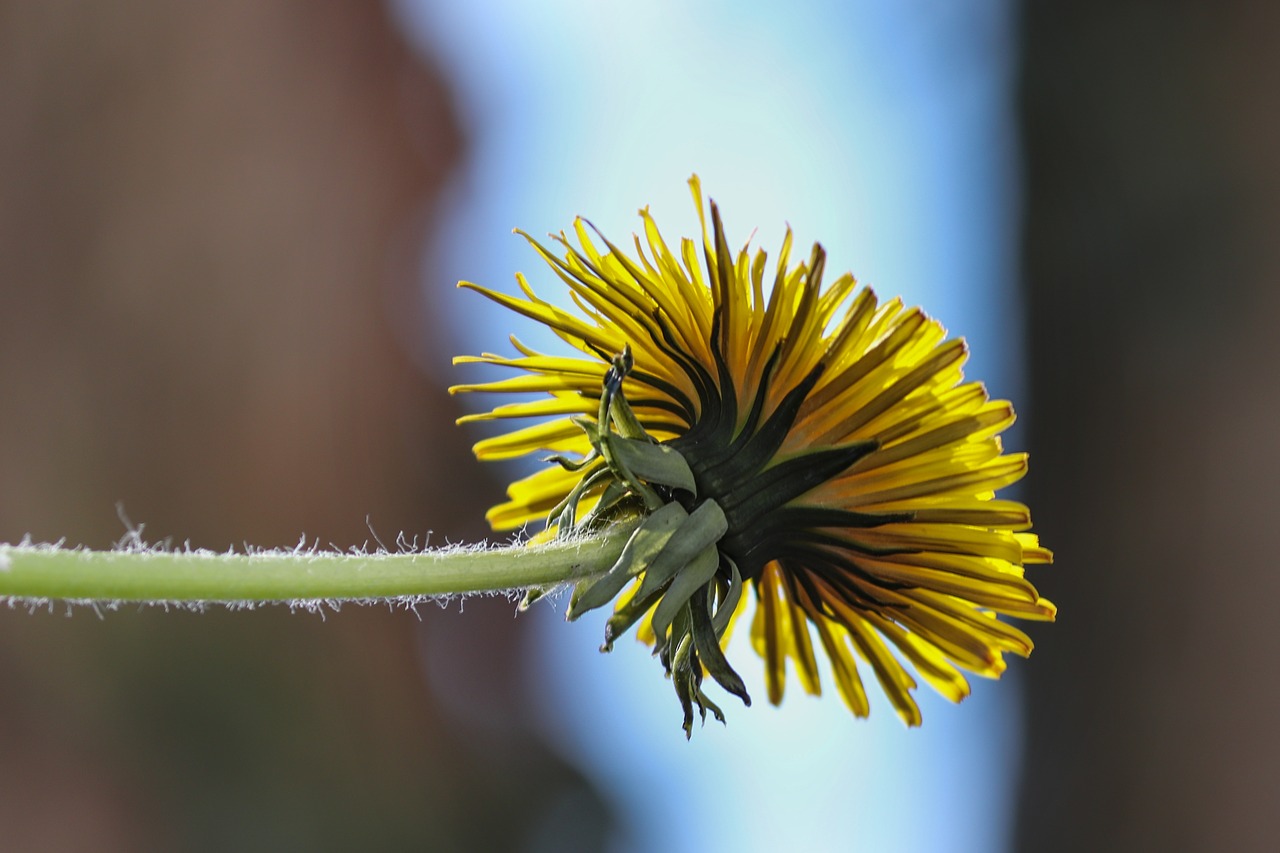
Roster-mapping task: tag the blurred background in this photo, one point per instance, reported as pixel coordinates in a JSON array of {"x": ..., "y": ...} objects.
[{"x": 229, "y": 235}]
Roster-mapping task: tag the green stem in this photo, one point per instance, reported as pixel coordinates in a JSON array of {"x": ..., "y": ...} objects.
[{"x": 46, "y": 572}]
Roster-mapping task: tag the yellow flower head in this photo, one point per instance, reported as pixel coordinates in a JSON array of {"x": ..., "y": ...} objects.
[{"x": 809, "y": 443}]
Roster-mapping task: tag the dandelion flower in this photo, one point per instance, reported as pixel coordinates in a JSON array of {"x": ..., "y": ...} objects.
[{"x": 808, "y": 443}]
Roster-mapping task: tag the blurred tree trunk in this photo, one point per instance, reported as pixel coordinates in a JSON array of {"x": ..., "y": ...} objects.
[{"x": 1152, "y": 270}]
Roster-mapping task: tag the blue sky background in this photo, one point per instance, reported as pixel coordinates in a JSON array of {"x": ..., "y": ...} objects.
[{"x": 883, "y": 130}]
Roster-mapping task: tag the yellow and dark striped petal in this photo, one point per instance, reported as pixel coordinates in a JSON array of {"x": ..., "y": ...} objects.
[{"x": 807, "y": 442}]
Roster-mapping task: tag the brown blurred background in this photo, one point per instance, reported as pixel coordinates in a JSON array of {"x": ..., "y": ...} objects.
[
  {"x": 210, "y": 219},
  {"x": 210, "y": 222},
  {"x": 1152, "y": 275}
]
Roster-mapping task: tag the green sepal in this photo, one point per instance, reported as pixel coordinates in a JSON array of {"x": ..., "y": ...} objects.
[
  {"x": 613, "y": 494},
  {"x": 704, "y": 705},
  {"x": 531, "y": 595},
  {"x": 624, "y": 418},
  {"x": 684, "y": 681},
  {"x": 655, "y": 463},
  {"x": 729, "y": 602},
  {"x": 620, "y": 468},
  {"x": 684, "y": 692},
  {"x": 679, "y": 632},
  {"x": 578, "y": 589},
  {"x": 564, "y": 513},
  {"x": 626, "y": 616},
  {"x": 602, "y": 437},
  {"x": 574, "y": 465},
  {"x": 707, "y": 644},
  {"x": 588, "y": 425},
  {"x": 701, "y": 530},
  {"x": 689, "y": 579},
  {"x": 646, "y": 543},
  {"x": 686, "y": 677}
]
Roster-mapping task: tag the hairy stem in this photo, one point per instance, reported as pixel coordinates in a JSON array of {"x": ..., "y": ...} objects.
[{"x": 47, "y": 572}]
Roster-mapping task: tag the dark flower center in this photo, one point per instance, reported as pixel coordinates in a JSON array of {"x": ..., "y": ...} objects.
[{"x": 754, "y": 488}]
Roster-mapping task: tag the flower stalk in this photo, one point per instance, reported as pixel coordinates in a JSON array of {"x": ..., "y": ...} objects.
[
  {"x": 148, "y": 575},
  {"x": 812, "y": 450}
]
